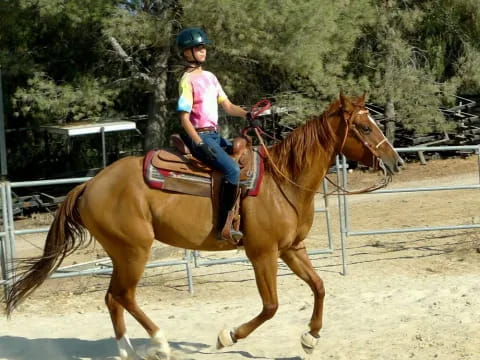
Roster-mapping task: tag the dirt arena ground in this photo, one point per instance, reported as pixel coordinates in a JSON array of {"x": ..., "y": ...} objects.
[{"x": 406, "y": 296}]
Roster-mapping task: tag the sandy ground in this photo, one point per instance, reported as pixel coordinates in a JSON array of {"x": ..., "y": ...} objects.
[{"x": 405, "y": 296}]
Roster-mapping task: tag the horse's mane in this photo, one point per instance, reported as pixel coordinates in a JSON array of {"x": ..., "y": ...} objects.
[{"x": 301, "y": 147}]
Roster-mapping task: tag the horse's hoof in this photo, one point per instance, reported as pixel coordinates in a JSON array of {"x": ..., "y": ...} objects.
[
  {"x": 308, "y": 342},
  {"x": 157, "y": 354},
  {"x": 159, "y": 348},
  {"x": 225, "y": 338},
  {"x": 125, "y": 356},
  {"x": 126, "y": 350}
]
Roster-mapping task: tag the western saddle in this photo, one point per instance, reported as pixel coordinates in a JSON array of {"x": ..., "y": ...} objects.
[{"x": 179, "y": 159}]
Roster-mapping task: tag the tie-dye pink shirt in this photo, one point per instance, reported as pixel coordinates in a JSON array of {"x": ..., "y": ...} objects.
[{"x": 200, "y": 94}]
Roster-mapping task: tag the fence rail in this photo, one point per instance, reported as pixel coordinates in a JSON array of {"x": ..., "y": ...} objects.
[
  {"x": 8, "y": 241},
  {"x": 103, "y": 266},
  {"x": 345, "y": 227}
]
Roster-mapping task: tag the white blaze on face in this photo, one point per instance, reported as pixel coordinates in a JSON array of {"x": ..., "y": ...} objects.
[
  {"x": 374, "y": 124},
  {"x": 385, "y": 139}
]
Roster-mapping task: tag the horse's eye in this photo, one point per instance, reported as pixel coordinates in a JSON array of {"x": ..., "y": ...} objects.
[{"x": 366, "y": 129}]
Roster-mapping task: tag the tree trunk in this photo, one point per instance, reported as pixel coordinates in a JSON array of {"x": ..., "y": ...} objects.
[
  {"x": 159, "y": 109},
  {"x": 390, "y": 69},
  {"x": 155, "y": 135},
  {"x": 390, "y": 126}
]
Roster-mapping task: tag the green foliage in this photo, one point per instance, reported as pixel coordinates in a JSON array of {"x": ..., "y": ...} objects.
[
  {"x": 448, "y": 28},
  {"x": 418, "y": 100},
  {"x": 395, "y": 69},
  {"x": 50, "y": 57},
  {"x": 288, "y": 45},
  {"x": 468, "y": 71},
  {"x": 137, "y": 31},
  {"x": 45, "y": 101},
  {"x": 68, "y": 8},
  {"x": 65, "y": 60}
]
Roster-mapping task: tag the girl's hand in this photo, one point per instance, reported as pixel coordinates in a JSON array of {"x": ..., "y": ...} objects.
[
  {"x": 207, "y": 151},
  {"x": 254, "y": 123}
]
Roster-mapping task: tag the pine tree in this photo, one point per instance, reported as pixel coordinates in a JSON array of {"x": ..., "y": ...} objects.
[
  {"x": 397, "y": 71},
  {"x": 279, "y": 47}
]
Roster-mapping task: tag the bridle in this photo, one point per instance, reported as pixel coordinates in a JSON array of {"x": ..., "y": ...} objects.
[
  {"x": 377, "y": 161},
  {"x": 373, "y": 149}
]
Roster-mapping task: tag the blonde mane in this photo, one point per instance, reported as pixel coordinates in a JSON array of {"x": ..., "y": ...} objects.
[{"x": 302, "y": 146}]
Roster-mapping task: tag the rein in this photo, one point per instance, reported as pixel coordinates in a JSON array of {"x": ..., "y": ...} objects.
[
  {"x": 279, "y": 172},
  {"x": 379, "y": 185},
  {"x": 374, "y": 150}
]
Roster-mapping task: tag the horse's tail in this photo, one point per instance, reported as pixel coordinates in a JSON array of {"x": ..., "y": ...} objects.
[{"x": 64, "y": 237}]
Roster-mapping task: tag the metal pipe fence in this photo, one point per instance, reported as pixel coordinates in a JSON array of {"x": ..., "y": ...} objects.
[
  {"x": 103, "y": 266},
  {"x": 8, "y": 232},
  {"x": 97, "y": 267},
  {"x": 200, "y": 260},
  {"x": 345, "y": 228}
]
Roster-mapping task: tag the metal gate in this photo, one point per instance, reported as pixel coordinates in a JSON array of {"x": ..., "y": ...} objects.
[
  {"x": 8, "y": 236},
  {"x": 103, "y": 266},
  {"x": 345, "y": 227}
]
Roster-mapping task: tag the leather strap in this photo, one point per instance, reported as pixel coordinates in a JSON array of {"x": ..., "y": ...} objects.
[{"x": 206, "y": 129}]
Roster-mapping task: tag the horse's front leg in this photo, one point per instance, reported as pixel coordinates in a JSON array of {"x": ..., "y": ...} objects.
[
  {"x": 297, "y": 260},
  {"x": 265, "y": 267}
]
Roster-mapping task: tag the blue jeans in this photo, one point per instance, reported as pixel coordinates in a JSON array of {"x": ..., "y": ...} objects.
[{"x": 223, "y": 162}]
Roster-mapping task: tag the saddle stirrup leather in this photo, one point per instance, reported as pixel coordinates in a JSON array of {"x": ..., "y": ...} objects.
[{"x": 229, "y": 219}]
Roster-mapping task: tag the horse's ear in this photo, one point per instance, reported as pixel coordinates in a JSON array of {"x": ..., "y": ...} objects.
[
  {"x": 360, "y": 100},
  {"x": 363, "y": 99},
  {"x": 347, "y": 105}
]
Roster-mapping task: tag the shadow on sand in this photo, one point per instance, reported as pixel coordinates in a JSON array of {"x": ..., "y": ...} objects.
[{"x": 20, "y": 348}]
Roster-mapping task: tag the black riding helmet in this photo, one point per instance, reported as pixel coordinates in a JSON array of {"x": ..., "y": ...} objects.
[{"x": 189, "y": 38}]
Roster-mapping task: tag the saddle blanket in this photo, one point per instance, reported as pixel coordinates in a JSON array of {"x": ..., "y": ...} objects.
[{"x": 163, "y": 179}]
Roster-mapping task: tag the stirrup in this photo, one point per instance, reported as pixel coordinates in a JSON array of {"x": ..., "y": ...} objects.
[
  {"x": 230, "y": 232},
  {"x": 236, "y": 235},
  {"x": 232, "y": 236}
]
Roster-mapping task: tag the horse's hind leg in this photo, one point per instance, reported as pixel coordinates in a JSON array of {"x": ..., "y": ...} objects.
[
  {"x": 128, "y": 267},
  {"x": 297, "y": 259},
  {"x": 116, "y": 310}
]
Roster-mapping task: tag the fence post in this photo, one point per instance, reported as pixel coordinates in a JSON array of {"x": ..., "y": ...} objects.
[
  {"x": 188, "y": 264},
  {"x": 478, "y": 163},
  {"x": 7, "y": 248},
  {"x": 104, "y": 150},
  {"x": 327, "y": 215},
  {"x": 11, "y": 253},
  {"x": 341, "y": 210},
  {"x": 4, "y": 238}
]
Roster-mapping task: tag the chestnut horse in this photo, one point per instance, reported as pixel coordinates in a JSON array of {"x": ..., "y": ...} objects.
[{"x": 125, "y": 216}]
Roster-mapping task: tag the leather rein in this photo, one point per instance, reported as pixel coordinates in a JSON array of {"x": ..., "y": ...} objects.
[{"x": 373, "y": 149}]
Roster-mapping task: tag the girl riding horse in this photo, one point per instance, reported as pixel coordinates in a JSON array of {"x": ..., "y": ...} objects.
[{"x": 199, "y": 96}]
